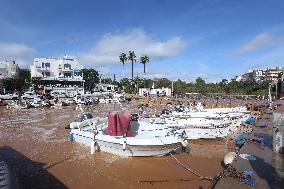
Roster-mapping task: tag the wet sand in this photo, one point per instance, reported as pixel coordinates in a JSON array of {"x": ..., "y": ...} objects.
[{"x": 36, "y": 145}]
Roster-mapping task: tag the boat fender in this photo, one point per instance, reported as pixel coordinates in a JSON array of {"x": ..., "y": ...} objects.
[
  {"x": 97, "y": 148},
  {"x": 124, "y": 145},
  {"x": 92, "y": 147},
  {"x": 71, "y": 137},
  {"x": 184, "y": 143},
  {"x": 229, "y": 158}
]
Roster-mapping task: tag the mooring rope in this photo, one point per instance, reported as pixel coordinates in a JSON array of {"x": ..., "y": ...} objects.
[{"x": 185, "y": 167}]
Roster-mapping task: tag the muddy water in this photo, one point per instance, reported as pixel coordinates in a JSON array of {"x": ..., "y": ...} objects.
[{"x": 36, "y": 145}]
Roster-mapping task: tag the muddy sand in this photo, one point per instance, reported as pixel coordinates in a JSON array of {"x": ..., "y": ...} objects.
[{"x": 36, "y": 145}]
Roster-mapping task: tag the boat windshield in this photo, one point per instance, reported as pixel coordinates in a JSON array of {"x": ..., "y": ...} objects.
[{"x": 86, "y": 116}]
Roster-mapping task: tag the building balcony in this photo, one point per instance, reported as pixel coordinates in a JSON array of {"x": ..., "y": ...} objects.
[
  {"x": 65, "y": 70},
  {"x": 61, "y": 78},
  {"x": 42, "y": 68}
]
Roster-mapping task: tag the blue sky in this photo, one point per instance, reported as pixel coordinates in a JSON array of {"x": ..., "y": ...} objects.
[{"x": 213, "y": 39}]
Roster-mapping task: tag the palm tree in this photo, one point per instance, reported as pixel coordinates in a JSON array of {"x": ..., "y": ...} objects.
[
  {"x": 131, "y": 57},
  {"x": 123, "y": 59},
  {"x": 143, "y": 60}
]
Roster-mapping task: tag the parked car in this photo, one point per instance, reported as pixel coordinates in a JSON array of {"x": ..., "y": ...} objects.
[{"x": 9, "y": 96}]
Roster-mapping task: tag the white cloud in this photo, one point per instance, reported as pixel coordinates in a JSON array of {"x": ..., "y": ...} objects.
[
  {"x": 111, "y": 45},
  {"x": 22, "y": 54},
  {"x": 255, "y": 43}
]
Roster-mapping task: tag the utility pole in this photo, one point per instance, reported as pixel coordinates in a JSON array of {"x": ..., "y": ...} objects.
[
  {"x": 172, "y": 88},
  {"x": 276, "y": 89},
  {"x": 269, "y": 96}
]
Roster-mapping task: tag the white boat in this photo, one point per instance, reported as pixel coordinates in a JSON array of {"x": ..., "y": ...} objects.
[
  {"x": 195, "y": 128},
  {"x": 209, "y": 123},
  {"x": 134, "y": 140}
]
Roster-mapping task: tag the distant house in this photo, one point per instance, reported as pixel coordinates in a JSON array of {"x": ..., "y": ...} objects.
[
  {"x": 158, "y": 92},
  {"x": 9, "y": 69},
  {"x": 61, "y": 75},
  {"x": 106, "y": 87}
]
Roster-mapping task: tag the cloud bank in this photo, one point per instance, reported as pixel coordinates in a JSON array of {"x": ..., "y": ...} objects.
[
  {"x": 258, "y": 41},
  {"x": 111, "y": 45},
  {"x": 21, "y": 53}
]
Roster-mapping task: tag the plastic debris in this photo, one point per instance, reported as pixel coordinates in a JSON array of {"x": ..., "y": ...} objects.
[
  {"x": 251, "y": 120},
  {"x": 247, "y": 179},
  {"x": 241, "y": 139},
  {"x": 247, "y": 157},
  {"x": 263, "y": 139},
  {"x": 229, "y": 158},
  {"x": 263, "y": 126}
]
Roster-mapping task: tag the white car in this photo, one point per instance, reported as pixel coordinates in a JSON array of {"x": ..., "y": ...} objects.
[
  {"x": 9, "y": 96},
  {"x": 29, "y": 95}
]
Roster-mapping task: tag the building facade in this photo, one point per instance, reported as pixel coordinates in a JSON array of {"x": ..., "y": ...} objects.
[
  {"x": 61, "y": 75},
  {"x": 273, "y": 74},
  {"x": 106, "y": 87},
  {"x": 269, "y": 75},
  {"x": 9, "y": 69}
]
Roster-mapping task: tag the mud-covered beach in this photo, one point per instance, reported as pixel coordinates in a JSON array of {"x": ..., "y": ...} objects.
[{"x": 36, "y": 144}]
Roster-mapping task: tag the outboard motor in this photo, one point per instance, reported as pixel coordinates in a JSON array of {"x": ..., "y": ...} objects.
[
  {"x": 134, "y": 117},
  {"x": 165, "y": 112}
]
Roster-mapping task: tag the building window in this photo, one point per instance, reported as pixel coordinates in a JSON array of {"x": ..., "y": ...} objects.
[
  {"x": 67, "y": 66},
  {"x": 77, "y": 73},
  {"x": 47, "y": 74},
  {"x": 67, "y": 75},
  {"x": 47, "y": 65}
]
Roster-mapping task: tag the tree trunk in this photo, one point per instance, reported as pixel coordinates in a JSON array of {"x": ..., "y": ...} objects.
[
  {"x": 132, "y": 69},
  {"x": 123, "y": 71}
]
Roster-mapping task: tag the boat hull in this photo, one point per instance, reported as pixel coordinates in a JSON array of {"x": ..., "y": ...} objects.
[
  {"x": 129, "y": 150},
  {"x": 207, "y": 133}
]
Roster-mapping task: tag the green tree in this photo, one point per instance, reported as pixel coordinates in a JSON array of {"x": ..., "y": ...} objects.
[
  {"x": 180, "y": 87},
  {"x": 107, "y": 81},
  {"x": 143, "y": 60},
  {"x": 123, "y": 59},
  {"x": 132, "y": 58},
  {"x": 148, "y": 83},
  {"x": 162, "y": 82},
  {"x": 23, "y": 83},
  {"x": 9, "y": 84},
  {"x": 200, "y": 85},
  {"x": 126, "y": 85},
  {"x": 91, "y": 78}
]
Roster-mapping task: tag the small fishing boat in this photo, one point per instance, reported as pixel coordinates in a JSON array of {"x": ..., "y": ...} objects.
[
  {"x": 195, "y": 128},
  {"x": 121, "y": 135},
  {"x": 237, "y": 115}
]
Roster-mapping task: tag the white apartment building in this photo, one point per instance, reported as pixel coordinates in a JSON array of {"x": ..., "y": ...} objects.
[
  {"x": 261, "y": 75},
  {"x": 61, "y": 75},
  {"x": 272, "y": 74},
  {"x": 9, "y": 69}
]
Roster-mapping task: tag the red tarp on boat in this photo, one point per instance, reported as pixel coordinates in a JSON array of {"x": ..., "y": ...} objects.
[{"x": 119, "y": 124}]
